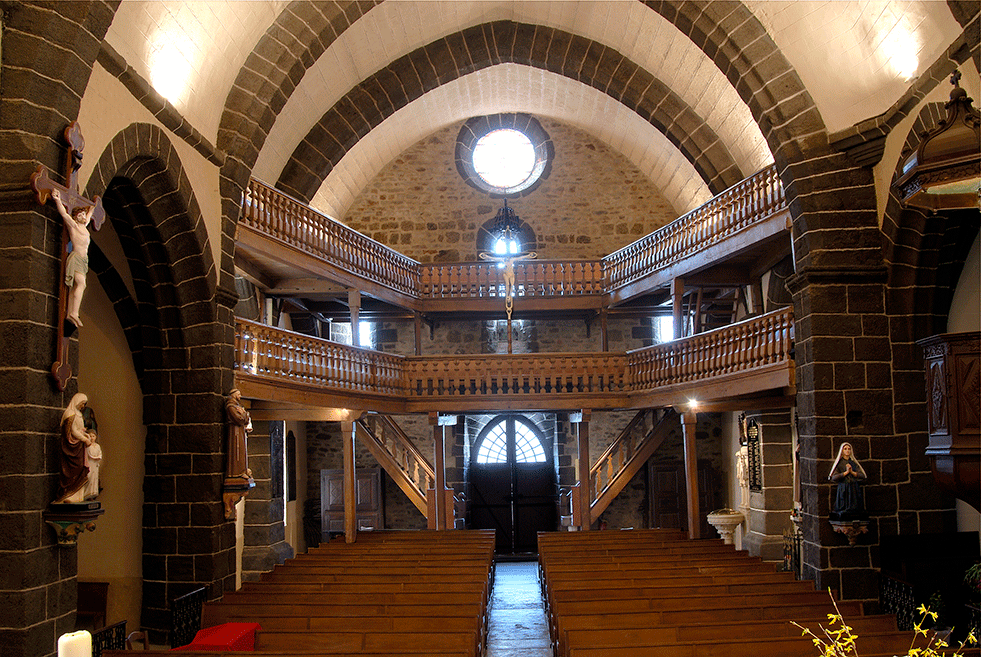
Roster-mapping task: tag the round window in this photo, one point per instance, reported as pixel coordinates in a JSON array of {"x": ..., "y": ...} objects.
[{"x": 505, "y": 155}]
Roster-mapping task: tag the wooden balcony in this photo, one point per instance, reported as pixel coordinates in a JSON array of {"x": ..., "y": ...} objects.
[
  {"x": 747, "y": 360},
  {"x": 281, "y": 241}
]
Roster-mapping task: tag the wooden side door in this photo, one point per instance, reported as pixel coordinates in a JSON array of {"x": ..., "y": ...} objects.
[{"x": 368, "y": 502}]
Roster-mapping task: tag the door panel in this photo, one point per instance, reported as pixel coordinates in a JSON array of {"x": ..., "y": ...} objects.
[{"x": 368, "y": 503}]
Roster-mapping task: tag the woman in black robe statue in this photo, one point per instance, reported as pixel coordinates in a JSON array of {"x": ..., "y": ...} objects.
[{"x": 849, "y": 475}]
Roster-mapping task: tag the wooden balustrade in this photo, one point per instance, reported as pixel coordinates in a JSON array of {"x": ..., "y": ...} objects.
[
  {"x": 287, "y": 356},
  {"x": 619, "y": 452},
  {"x": 273, "y": 353},
  {"x": 390, "y": 437},
  {"x": 752, "y": 343},
  {"x": 743, "y": 204},
  {"x": 272, "y": 213},
  {"x": 518, "y": 375}
]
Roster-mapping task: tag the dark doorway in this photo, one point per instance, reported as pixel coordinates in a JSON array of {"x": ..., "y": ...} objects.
[{"x": 512, "y": 484}]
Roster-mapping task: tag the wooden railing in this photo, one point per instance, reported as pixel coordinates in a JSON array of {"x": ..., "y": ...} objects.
[
  {"x": 517, "y": 375},
  {"x": 285, "y": 356},
  {"x": 272, "y": 213},
  {"x": 532, "y": 278},
  {"x": 404, "y": 462},
  {"x": 735, "y": 209},
  {"x": 620, "y": 451},
  {"x": 292, "y": 357},
  {"x": 746, "y": 345}
]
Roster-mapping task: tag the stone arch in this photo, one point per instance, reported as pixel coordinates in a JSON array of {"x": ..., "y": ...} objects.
[
  {"x": 180, "y": 336},
  {"x": 368, "y": 104}
]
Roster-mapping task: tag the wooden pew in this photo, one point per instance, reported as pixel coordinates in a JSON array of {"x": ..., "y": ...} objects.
[{"x": 353, "y": 641}]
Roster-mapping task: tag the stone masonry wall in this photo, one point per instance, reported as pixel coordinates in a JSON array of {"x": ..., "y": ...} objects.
[{"x": 594, "y": 202}]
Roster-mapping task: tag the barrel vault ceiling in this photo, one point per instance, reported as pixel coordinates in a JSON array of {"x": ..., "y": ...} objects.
[{"x": 855, "y": 59}]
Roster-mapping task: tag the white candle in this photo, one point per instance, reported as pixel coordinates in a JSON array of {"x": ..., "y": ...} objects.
[{"x": 75, "y": 644}]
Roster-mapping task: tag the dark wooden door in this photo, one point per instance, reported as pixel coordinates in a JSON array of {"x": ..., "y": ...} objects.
[
  {"x": 512, "y": 485},
  {"x": 368, "y": 503},
  {"x": 669, "y": 500}
]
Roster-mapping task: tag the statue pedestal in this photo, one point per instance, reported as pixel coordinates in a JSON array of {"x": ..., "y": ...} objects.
[
  {"x": 235, "y": 488},
  {"x": 71, "y": 519},
  {"x": 725, "y": 522},
  {"x": 851, "y": 528}
]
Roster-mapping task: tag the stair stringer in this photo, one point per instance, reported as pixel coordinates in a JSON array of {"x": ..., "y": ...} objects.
[
  {"x": 400, "y": 467},
  {"x": 644, "y": 451}
]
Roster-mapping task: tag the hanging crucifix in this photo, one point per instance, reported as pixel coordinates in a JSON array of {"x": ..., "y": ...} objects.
[
  {"x": 506, "y": 259},
  {"x": 77, "y": 212}
]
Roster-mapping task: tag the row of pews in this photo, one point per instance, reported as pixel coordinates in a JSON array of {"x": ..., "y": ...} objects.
[
  {"x": 653, "y": 593},
  {"x": 413, "y": 593}
]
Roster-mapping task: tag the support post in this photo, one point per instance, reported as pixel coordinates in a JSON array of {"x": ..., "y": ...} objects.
[
  {"x": 604, "y": 334},
  {"x": 439, "y": 424},
  {"x": 350, "y": 486},
  {"x": 417, "y": 317},
  {"x": 580, "y": 424},
  {"x": 354, "y": 304},
  {"x": 689, "y": 419},
  {"x": 677, "y": 298}
]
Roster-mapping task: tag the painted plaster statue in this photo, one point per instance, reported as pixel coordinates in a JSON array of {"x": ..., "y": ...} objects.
[
  {"x": 93, "y": 453},
  {"x": 848, "y": 473},
  {"x": 77, "y": 265},
  {"x": 239, "y": 425},
  {"x": 79, "y": 448}
]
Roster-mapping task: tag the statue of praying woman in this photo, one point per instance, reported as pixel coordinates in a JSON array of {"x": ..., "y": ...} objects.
[{"x": 848, "y": 474}]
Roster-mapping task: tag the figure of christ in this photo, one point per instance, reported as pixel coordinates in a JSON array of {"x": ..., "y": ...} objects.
[{"x": 77, "y": 265}]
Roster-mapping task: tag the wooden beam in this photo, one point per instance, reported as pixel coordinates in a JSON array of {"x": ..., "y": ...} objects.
[
  {"x": 350, "y": 485},
  {"x": 265, "y": 410},
  {"x": 689, "y": 419},
  {"x": 677, "y": 299},
  {"x": 439, "y": 424},
  {"x": 252, "y": 271},
  {"x": 311, "y": 288}
]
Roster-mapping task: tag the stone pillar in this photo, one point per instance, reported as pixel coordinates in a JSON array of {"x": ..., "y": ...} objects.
[
  {"x": 769, "y": 511},
  {"x": 265, "y": 533}
]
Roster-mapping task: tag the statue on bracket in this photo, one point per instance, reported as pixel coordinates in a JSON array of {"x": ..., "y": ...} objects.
[
  {"x": 75, "y": 508},
  {"x": 238, "y": 476},
  {"x": 848, "y": 514},
  {"x": 81, "y": 454}
]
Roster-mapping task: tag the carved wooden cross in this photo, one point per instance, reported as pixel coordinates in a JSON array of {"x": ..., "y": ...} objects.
[{"x": 43, "y": 186}]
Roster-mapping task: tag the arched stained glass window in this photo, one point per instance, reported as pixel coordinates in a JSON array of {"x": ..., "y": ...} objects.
[{"x": 527, "y": 445}]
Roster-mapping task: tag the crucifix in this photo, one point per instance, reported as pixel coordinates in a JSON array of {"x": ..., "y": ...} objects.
[
  {"x": 506, "y": 260},
  {"x": 76, "y": 212}
]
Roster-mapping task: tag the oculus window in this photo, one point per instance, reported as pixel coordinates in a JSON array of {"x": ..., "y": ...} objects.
[{"x": 504, "y": 155}]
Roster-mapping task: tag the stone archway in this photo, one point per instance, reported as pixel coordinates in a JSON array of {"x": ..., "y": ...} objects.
[{"x": 180, "y": 336}]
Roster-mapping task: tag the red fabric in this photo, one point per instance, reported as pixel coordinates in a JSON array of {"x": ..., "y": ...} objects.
[{"x": 227, "y": 636}]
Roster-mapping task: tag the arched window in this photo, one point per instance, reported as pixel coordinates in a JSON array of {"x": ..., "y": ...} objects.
[{"x": 528, "y": 446}]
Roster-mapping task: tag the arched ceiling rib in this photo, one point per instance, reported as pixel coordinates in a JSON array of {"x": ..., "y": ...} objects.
[
  {"x": 369, "y": 103},
  {"x": 554, "y": 96},
  {"x": 642, "y": 35}
]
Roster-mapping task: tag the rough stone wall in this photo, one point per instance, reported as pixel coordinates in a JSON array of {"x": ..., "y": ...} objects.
[
  {"x": 594, "y": 202},
  {"x": 265, "y": 533}
]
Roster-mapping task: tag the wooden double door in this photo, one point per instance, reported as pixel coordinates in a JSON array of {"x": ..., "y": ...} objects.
[
  {"x": 368, "y": 502},
  {"x": 512, "y": 484}
]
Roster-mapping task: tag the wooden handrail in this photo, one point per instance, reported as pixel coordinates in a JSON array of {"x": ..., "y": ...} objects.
[
  {"x": 751, "y": 343},
  {"x": 400, "y": 457},
  {"x": 269, "y": 212},
  {"x": 619, "y": 451},
  {"x": 745, "y": 203},
  {"x": 280, "y": 355}
]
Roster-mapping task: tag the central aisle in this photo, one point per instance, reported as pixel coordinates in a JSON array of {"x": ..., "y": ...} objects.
[{"x": 517, "y": 625}]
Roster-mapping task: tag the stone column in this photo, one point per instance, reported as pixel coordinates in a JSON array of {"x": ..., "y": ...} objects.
[
  {"x": 265, "y": 533},
  {"x": 769, "y": 509}
]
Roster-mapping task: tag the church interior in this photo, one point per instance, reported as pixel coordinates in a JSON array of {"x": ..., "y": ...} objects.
[{"x": 719, "y": 297}]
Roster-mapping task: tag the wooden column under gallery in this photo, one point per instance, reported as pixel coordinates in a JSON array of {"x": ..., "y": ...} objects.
[
  {"x": 440, "y": 498},
  {"x": 952, "y": 364},
  {"x": 350, "y": 482},
  {"x": 580, "y": 427},
  {"x": 689, "y": 419}
]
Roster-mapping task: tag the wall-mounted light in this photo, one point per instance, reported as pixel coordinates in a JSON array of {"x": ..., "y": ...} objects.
[{"x": 944, "y": 171}]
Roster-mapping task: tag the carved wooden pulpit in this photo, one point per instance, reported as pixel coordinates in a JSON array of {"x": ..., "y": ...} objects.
[{"x": 953, "y": 388}]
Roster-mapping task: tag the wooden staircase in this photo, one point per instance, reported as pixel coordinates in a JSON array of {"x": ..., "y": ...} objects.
[
  {"x": 627, "y": 455},
  {"x": 402, "y": 460}
]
